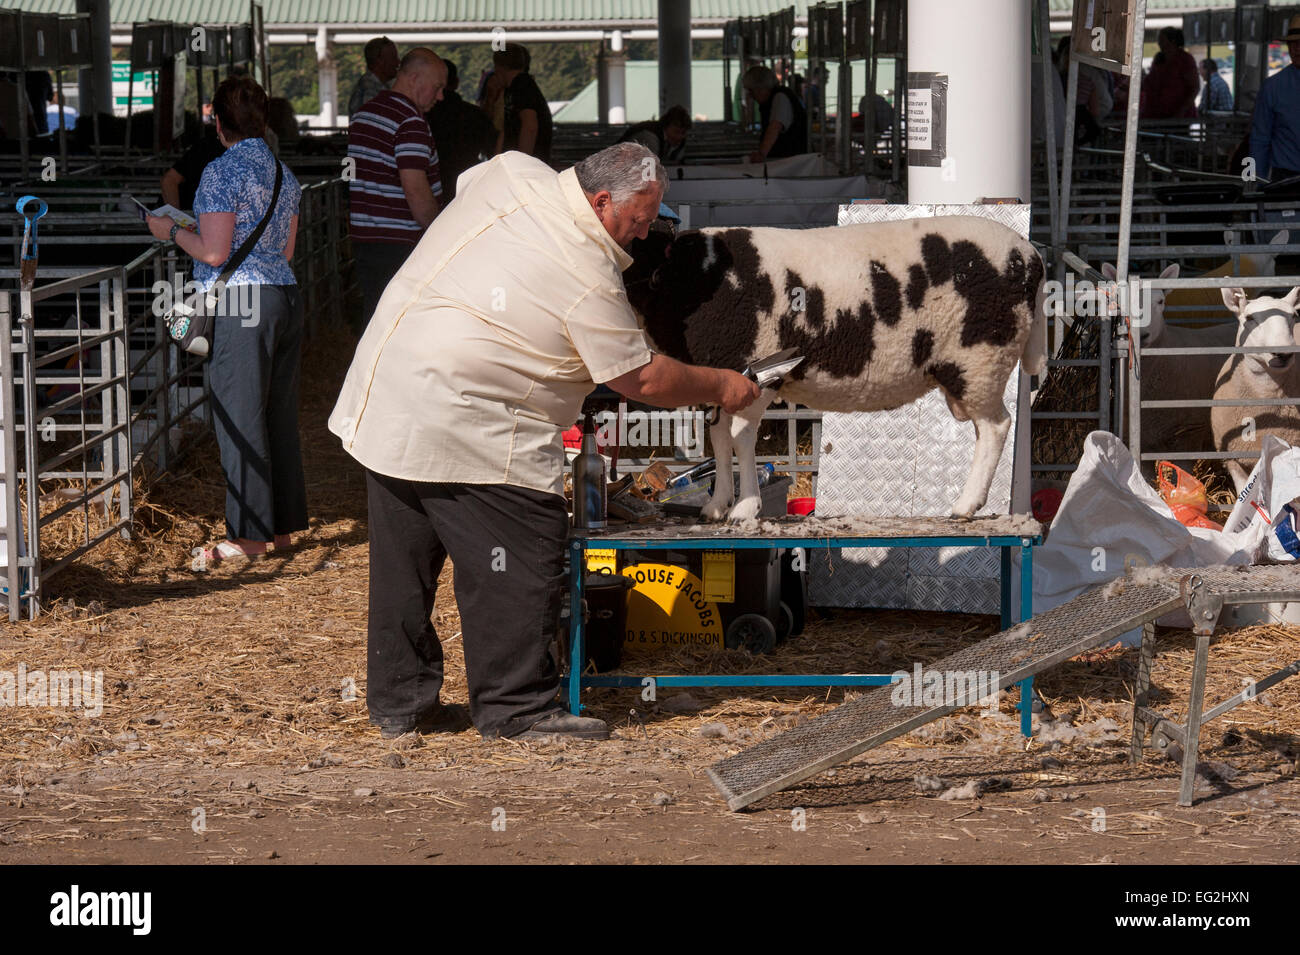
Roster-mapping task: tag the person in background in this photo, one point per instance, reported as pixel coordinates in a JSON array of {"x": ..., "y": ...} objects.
[
  {"x": 255, "y": 362},
  {"x": 665, "y": 137},
  {"x": 813, "y": 90},
  {"x": 527, "y": 116},
  {"x": 207, "y": 112},
  {"x": 396, "y": 190},
  {"x": 1275, "y": 125},
  {"x": 381, "y": 69},
  {"x": 742, "y": 105},
  {"x": 15, "y": 109},
  {"x": 782, "y": 117},
  {"x": 1169, "y": 89},
  {"x": 1092, "y": 102},
  {"x": 52, "y": 115},
  {"x": 463, "y": 132},
  {"x": 1215, "y": 97},
  {"x": 181, "y": 181},
  {"x": 282, "y": 121},
  {"x": 491, "y": 99},
  {"x": 40, "y": 93},
  {"x": 882, "y": 115}
]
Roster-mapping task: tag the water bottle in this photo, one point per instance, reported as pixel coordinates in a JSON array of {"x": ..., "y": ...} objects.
[
  {"x": 766, "y": 472},
  {"x": 588, "y": 482}
]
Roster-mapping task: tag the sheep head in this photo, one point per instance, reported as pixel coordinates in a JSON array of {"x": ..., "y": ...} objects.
[
  {"x": 1264, "y": 322},
  {"x": 1149, "y": 316}
]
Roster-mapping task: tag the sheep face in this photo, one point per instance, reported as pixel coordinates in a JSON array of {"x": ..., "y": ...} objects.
[
  {"x": 1264, "y": 322},
  {"x": 1149, "y": 315}
]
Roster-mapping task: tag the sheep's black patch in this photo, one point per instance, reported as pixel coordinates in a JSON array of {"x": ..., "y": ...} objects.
[
  {"x": 991, "y": 296},
  {"x": 922, "y": 347},
  {"x": 937, "y": 256},
  {"x": 841, "y": 351},
  {"x": 886, "y": 294},
  {"x": 692, "y": 311},
  {"x": 916, "y": 286},
  {"x": 814, "y": 299},
  {"x": 949, "y": 377}
]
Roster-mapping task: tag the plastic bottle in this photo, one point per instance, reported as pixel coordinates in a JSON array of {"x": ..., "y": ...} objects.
[{"x": 589, "y": 482}]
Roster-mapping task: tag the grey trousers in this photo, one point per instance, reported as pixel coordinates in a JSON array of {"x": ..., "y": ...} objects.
[
  {"x": 255, "y": 367},
  {"x": 507, "y": 545},
  {"x": 377, "y": 263}
]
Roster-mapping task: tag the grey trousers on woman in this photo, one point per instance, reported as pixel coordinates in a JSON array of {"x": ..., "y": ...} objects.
[{"x": 256, "y": 360}]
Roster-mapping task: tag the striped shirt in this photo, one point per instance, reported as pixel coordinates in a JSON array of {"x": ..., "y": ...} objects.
[{"x": 388, "y": 135}]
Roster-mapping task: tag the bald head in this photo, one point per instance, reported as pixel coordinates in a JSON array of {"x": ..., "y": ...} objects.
[{"x": 421, "y": 77}]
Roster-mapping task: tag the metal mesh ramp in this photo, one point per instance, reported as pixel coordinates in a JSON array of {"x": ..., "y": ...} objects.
[{"x": 1024, "y": 650}]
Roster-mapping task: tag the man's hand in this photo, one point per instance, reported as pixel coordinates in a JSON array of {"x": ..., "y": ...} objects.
[{"x": 737, "y": 391}]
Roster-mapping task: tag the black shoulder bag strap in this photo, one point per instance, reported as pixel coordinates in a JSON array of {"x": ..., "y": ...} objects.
[{"x": 236, "y": 260}]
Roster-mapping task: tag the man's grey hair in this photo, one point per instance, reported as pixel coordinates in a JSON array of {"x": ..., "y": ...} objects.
[
  {"x": 759, "y": 78},
  {"x": 623, "y": 170}
]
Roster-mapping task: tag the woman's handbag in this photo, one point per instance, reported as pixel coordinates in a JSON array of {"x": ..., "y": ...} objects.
[{"x": 190, "y": 321}]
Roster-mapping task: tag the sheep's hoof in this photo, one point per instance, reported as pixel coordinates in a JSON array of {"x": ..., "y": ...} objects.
[
  {"x": 714, "y": 510},
  {"x": 964, "y": 518},
  {"x": 745, "y": 510}
]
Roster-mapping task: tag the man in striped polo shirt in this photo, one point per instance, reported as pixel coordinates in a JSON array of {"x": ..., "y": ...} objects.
[{"x": 396, "y": 188}]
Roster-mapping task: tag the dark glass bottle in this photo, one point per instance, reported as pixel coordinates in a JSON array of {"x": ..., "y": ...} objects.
[{"x": 588, "y": 482}]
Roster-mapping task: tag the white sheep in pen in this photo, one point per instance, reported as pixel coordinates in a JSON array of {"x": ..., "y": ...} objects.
[
  {"x": 1266, "y": 322},
  {"x": 1187, "y": 377},
  {"x": 882, "y": 313}
]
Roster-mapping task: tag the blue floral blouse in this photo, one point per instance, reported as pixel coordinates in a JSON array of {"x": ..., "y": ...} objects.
[{"x": 241, "y": 181}]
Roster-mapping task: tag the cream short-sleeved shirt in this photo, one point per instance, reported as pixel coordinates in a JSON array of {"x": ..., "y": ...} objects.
[{"x": 485, "y": 343}]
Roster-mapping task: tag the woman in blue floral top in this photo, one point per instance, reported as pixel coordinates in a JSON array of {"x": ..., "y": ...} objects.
[{"x": 257, "y": 334}]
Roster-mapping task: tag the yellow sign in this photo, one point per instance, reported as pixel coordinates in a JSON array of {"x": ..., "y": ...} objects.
[
  {"x": 720, "y": 576},
  {"x": 667, "y": 608},
  {"x": 602, "y": 561}
]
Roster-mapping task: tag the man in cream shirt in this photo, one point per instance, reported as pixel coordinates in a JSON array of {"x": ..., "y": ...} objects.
[{"x": 480, "y": 353}]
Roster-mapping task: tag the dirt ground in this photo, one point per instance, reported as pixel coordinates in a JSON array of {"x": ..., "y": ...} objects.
[{"x": 234, "y": 729}]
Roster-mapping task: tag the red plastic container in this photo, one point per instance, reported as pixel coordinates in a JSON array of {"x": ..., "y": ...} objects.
[{"x": 801, "y": 506}]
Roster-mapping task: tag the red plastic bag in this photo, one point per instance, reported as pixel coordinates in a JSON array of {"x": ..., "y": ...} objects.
[{"x": 1185, "y": 496}]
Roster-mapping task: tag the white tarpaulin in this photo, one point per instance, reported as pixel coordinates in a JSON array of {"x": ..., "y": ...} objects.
[{"x": 1110, "y": 519}]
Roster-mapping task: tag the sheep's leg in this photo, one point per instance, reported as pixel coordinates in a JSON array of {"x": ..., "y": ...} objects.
[
  {"x": 720, "y": 501},
  {"x": 744, "y": 434},
  {"x": 1238, "y": 474},
  {"x": 991, "y": 430}
]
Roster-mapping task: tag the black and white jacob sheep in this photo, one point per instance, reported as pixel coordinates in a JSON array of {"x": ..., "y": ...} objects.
[{"x": 881, "y": 312}]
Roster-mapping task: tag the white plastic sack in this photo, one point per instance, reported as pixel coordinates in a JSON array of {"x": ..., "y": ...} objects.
[
  {"x": 1111, "y": 519},
  {"x": 1264, "y": 507}
]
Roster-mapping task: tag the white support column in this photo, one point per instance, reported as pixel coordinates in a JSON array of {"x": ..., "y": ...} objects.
[
  {"x": 616, "y": 80},
  {"x": 979, "y": 140},
  {"x": 674, "y": 54},
  {"x": 327, "y": 72}
]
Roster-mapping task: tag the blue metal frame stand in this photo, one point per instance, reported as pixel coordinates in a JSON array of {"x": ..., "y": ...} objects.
[{"x": 674, "y": 540}]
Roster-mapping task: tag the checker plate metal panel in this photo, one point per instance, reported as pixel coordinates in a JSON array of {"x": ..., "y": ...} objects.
[
  {"x": 911, "y": 461},
  {"x": 1024, "y": 650}
]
